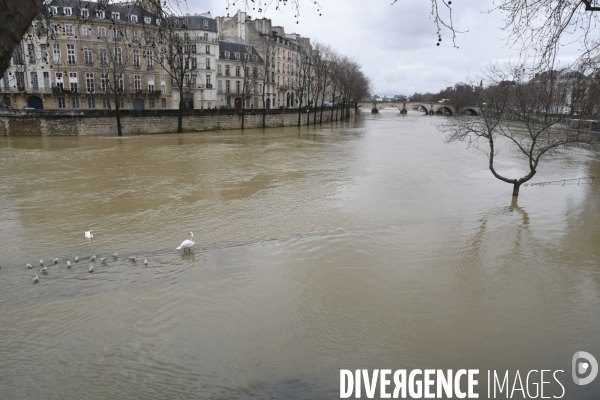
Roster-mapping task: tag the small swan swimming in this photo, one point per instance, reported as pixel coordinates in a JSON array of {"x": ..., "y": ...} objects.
[
  {"x": 89, "y": 234},
  {"x": 187, "y": 244}
]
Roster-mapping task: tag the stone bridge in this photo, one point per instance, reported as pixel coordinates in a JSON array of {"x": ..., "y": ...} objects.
[{"x": 428, "y": 107}]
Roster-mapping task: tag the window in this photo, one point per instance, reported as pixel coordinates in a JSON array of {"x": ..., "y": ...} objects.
[
  {"x": 103, "y": 57},
  {"x": 104, "y": 83},
  {"x": 34, "y": 81},
  {"x": 220, "y": 86},
  {"x": 227, "y": 70},
  {"x": 226, "y": 54},
  {"x": 163, "y": 103},
  {"x": 205, "y": 24},
  {"x": 73, "y": 81},
  {"x": 118, "y": 56},
  {"x": 59, "y": 81},
  {"x": 208, "y": 84},
  {"x": 71, "y": 54},
  {"x": 87, "y": 55},
  {"x": 133, "y": 18},
  {"x": 185, "y": 23},
  {"x": 119, "y": 82},
  {"x": 68, "y": 10},
  {"x": 147, "y": 20},
  {"x": 91, "y": 103},
  {"x": 247, "y": 56},
  {"x": 44, "y": 52},
  {"x": 55, "y": 29},
  {"x": 116, "y": 35},
  {"x": 47, "y": 80},
  {"x": 148, "y": 37},
  {"x": 163, "y": 85},
  {"x": 137, "y": 83},
  {"x": 227, "y": 86},
  {"x": 207, "y": 49},
  {"x": 115, "y": 16},
  {"x": 100, "y": 14},
  {"x": 134, "y": 37},
  {"x": 237, "y": 56},
  {"x": 56, "y": 53},
  {"x": 106, "y": 103},
  {"x": 237, "y": 86},
  {"x": 20, "y": 80},
  {"x": 158, "y": 21},
  {"x": 85, "y": 13},
  {"x": 121, "y": 103},
  {"x": 53, "y": 11},
  {"x": 194, "y": 63},
  {"x": 208, "y": 63},
  {"x": 219, "y": 70},
  {"x": 151, "y": 102},
  {"x": 150, "y": 83},
  {"x": 237, "y": 70},
  {"x": 86, "y": 31},
  {"x": 89, "y": 82},
  {"x": 136, "y": 58},
  {"x": 101, "y": 32},
  {"x": 150, "y": 59},
  {"x": 68, "y": 29},
  {"x": 205, "y": 37},
  {"x": 61, "y": 102},
  {"x": 31, "y": 51},
  {"x": 194, "y": 49},
  {"x": 75, "y": 101}
]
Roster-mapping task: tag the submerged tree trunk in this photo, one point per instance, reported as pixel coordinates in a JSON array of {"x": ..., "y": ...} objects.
[
  {"x": 117, "y": 109},
  {"x": 180, "y": 113}
]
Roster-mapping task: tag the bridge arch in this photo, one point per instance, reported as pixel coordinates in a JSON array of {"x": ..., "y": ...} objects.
[
  {"x": 469, "y": 111},
  {"x": 444, "y": 110}
]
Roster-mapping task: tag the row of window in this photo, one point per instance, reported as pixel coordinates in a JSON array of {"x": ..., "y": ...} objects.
[
  {"x": 237, "y": 56},
  {"x": 116, "y": 16},
  {"x": 238, "y": 70}
]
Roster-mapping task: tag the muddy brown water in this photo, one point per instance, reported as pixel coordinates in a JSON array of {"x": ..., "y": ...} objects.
[{"x": 366, "y": 244}]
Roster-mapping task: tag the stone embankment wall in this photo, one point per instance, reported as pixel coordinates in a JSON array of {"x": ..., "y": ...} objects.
[{"x": 57, "y": 123}]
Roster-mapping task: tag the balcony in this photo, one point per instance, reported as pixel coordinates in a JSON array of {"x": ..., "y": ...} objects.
[
  {"x": 209, "y": 86},
  {"x": 219, "y": 74}
]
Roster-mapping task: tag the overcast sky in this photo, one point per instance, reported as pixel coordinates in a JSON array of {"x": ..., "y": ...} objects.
[{"x": 396, "y": 45}]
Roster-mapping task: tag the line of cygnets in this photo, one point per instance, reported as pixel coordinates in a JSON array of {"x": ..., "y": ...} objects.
[
  {"x": 186, "y": 244},
  {"x": 90, "y": 269}
]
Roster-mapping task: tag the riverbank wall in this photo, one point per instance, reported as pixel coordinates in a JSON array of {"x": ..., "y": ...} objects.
[{"x": 133, "y": 122}]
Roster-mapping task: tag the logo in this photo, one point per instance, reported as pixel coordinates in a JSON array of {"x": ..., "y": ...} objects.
[{"x": 580, "y": 367}]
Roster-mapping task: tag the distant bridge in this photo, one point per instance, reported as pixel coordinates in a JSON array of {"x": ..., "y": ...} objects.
[{"x": 428, "y": 107}]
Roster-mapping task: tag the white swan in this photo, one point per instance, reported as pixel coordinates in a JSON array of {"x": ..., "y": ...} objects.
[
  {"x": 187, "y": 244},
  {"x": 88, "y": 234},
  {"x": 36, "y": 279}
]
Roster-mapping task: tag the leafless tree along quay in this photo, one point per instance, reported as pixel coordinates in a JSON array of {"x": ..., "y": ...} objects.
[{"x": 522, "y": 114}]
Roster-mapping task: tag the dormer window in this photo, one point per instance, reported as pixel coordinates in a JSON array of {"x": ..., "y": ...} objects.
[
  {"x": 185, "y": 23},
  {"x": 68, "y": 10},
  {"x": 85, "y": 13},
  {"x": 246, "y": 57},
  {"x": 205, "y": 23},
  {"x": 237, "y": 56},
  {"x": 133, "y": 18},
  {"x": 226, "y": 54},
  {"x": 100, "y": 14},
  {"x": 147, "y": 20},
  {"x": 53, "y": 10},
  {"x": 115, "y": 16},
  {"x": 158, "y": 21}
]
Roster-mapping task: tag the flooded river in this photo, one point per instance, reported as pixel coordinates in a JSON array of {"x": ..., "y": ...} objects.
[{"x": 366, "y": 244}]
